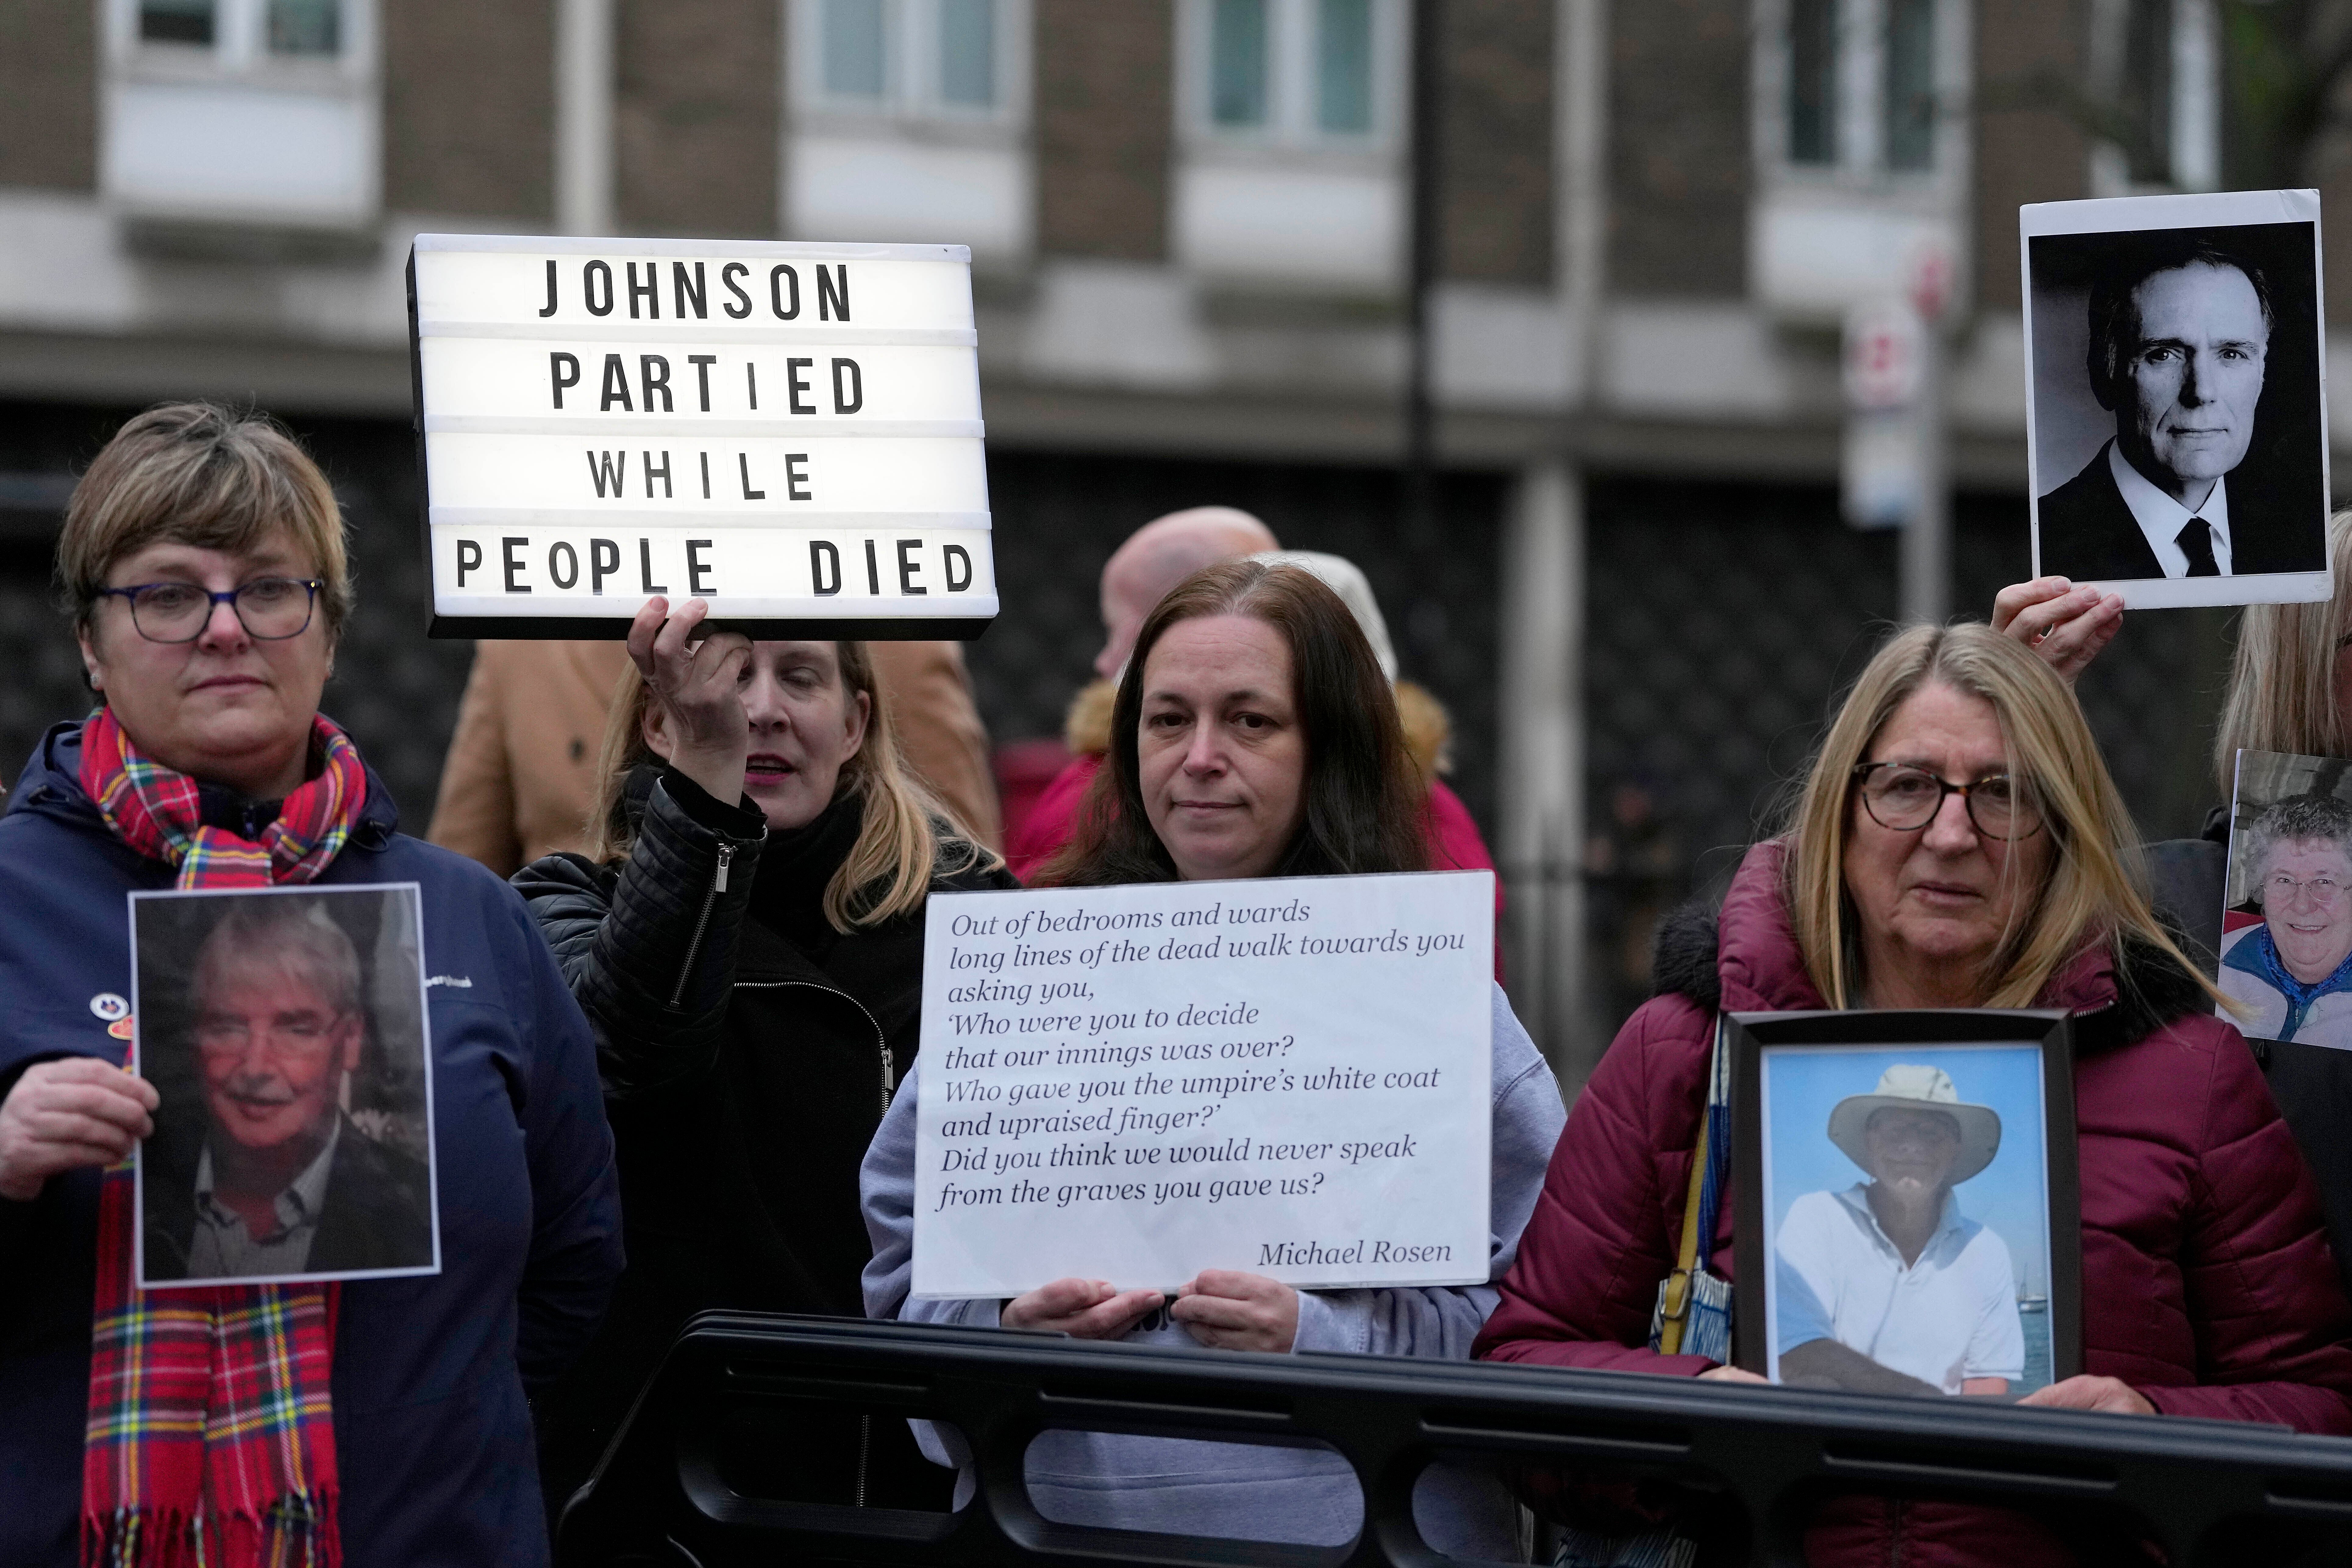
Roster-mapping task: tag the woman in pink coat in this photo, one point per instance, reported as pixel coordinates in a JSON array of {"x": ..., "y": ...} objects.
[{"x": 1959, "y": 844}]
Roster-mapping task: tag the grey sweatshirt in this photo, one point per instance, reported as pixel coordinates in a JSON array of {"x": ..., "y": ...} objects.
[{"x": 1187, "y": 1486}]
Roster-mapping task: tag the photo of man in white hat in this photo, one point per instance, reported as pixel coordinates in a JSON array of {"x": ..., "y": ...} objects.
[{"x": 1886, "y": 1286}]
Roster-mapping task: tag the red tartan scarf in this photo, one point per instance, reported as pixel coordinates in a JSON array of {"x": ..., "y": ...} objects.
[{"x": 210, "y": 1441}]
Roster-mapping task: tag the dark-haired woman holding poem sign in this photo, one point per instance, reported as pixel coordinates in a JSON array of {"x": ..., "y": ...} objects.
[{"x": 1254, "y": 736}]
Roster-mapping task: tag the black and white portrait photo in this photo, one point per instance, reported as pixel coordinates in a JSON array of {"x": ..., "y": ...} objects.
[
  {"x": 2177, "y": 418},
  {"x": 284, "y": 1031}
]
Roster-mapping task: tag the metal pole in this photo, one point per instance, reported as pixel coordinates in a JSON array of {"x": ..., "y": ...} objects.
[
  {"x": 583, "y": 117},
  {"x": 1426, "y": 234},
  {"x": 1927, "y": 551}
]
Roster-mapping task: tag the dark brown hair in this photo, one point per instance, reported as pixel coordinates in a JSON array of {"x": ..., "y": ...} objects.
[{"x": 1363, "y": 797}]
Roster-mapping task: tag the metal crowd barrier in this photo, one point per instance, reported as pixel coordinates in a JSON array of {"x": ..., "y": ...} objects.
[{"x": 2200, "y": 1491}]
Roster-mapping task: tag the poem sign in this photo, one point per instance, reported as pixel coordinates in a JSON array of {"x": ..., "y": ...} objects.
[
  {"x": 790, "y": 432},
  {"x": 1286, "y": 1076}
]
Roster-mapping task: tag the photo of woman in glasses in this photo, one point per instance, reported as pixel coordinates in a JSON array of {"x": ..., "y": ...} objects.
[{"x": 2286, "y": 940}]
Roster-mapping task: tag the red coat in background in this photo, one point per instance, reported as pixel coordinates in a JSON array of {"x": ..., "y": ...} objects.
[{"x": 2206, "y": 1281}]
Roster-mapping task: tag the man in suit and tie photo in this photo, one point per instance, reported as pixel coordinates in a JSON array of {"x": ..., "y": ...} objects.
[{"x": 2180, "y": 339}]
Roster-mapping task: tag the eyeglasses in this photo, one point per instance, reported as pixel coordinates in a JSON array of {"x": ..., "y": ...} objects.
[
  {"x": 2319, "y": 893},
  {"x": 271, "y": 609},
  {"x": 1905, "y": 799}
]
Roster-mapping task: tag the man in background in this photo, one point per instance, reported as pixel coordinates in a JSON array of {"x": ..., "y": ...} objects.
[{"x": 521, "y": 769}]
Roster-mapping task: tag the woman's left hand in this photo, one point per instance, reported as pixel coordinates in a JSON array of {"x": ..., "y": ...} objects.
[
  {"x": 1227, "y": 1309},
  {"x": 2111, "y": 1394}
]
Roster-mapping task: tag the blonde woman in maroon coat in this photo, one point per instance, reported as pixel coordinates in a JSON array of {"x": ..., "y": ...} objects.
[{"x": 2209, "y": 1286}]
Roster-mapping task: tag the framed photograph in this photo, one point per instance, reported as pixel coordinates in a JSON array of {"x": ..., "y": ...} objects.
[
  {"x": 284, "y": 1029},
  {"x": 2286, "y": 909},
  {"x": 2177, "y": 396},
  {"x": 1909, "y": 1205}
]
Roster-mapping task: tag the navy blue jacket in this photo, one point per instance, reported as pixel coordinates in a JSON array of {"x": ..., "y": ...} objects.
[{"x": 432, "y": 1431}]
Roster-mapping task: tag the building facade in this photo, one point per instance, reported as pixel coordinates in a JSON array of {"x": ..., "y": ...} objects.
[{"x": 1189, "y": 226}]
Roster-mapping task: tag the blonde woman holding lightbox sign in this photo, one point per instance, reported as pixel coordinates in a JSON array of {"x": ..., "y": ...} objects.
[{"x": 1254, "y": 736}]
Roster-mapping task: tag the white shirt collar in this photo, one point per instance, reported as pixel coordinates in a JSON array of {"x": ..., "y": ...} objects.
[{"x": 2161, "y": 518}]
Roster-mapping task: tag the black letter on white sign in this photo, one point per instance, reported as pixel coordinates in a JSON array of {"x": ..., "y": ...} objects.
[
  {"x": 853, "y": 400},
  {"x": 608, "y": 468},
  {"x": 727, "y": 275},
  {"x": 653, "y": 371},
  {"x": 646, "y": 567},
  {"x": 694, "y": 569},
  {"x": 702, "y": 363},
  {"x": 797, "y": 386},
  {"x": 743, "y": 466},
  {"x": 589, "y": 276},
  {"x": 873, "y": 573},
  {"x": 833, "y": 294},
  {"x": 568, "y": 573},
  {"x": 824, "y": 568},
  {"x": 908, "y": 568},
  {"x": 955, "y": 552},
  {"x": 551, "y": 287},
  {"x": 652, "y": 473},
  {"x": 796, "y": 477},
  {"x": 705, "y": 474},
  {"x": 557, "y": 364},
  {"x": 616, "y": 387},
  {"x": 507, "y": 548},
  {"x": 649, "y": 291},
  {"x": 604, "y": 561},
  {"x": 469, "y": 559},
  {"x": 779, "y": 280},
  {"x": 688, "y": 293}
]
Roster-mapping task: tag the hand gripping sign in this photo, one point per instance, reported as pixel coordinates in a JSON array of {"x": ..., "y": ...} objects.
[
  {"x": 1288, "y": 1077},
  {"x": 790, "y": 432}
]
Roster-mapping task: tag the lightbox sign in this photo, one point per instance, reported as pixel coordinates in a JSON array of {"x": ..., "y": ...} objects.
[{"x": 789, "y": 431}]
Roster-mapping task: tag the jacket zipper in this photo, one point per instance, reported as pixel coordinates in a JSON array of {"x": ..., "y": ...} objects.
[{"x": 702, "y": 921}]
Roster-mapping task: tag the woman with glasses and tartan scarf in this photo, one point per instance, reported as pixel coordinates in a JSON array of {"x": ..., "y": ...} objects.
[{"x": 375, "y": 1421}]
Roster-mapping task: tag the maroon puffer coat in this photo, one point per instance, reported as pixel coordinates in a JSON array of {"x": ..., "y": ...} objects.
[{"x": 2206, "y": 1276}]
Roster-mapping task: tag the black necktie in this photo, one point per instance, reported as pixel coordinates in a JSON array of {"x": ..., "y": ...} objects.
[{"x": 2196, "y": 537}]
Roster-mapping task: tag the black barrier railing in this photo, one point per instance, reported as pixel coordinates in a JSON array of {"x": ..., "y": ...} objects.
[{"x": 668, "y": 1492}]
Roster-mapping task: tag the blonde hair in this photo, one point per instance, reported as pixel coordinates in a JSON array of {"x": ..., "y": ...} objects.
[
  {"x": 201, "y": 475},
  {"x": 2282, "y": 678},
  {"x": 908, "y": 837},
  {"x": 2097, "y": 883}
]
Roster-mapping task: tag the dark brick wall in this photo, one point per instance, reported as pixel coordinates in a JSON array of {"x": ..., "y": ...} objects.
[
  {"x": 1679, "y": 161},
  {"x": 1104, "y": 113},
  {"x": 469, "y": 107},
  {"x": 2028, "y": 56},
  {"x": 695, "y": 118},
  {"x": 1499, "y": 141},
  {"x": 48, "y": 94}
]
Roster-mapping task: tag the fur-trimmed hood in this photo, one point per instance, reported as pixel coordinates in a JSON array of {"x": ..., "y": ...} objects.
[
  {"x": 1428, "y": 730},
  {"x": 1744, "y": 957}
]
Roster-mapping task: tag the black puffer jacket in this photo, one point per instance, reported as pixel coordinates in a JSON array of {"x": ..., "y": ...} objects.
[{"x": 748, "y": 1052}]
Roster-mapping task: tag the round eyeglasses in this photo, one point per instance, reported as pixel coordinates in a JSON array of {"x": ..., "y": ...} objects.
[
  {"x": 1905, "y": 799},
  {"x": 2318, "y": 893},
  {"x": 271, "y": 609}
]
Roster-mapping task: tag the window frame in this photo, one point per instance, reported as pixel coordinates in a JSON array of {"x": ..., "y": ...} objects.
[
  {"x": 2192, "y": 110},
  {"x": 1292, "y": 125},
  {"x": 240, "y": 51},
  {"x": 910, "y": 94},
  {"x": 1859, "y": 109}
]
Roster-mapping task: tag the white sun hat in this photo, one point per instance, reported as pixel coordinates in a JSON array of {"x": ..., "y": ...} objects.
[{"x": 1919, "y": 1086}]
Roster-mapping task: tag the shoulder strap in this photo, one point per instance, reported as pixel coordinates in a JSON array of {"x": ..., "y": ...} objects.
[{"x": 1699, "y": 1206}]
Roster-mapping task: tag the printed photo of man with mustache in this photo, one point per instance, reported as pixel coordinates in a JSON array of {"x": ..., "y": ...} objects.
[
  {"x": 2179, "y": 331},
  {"x": 285, "y": 1184}
]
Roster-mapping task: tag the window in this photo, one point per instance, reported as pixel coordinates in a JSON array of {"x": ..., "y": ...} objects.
[
  {"x": 1864, "y": 83},
  {"x": 245, "y": 30},
  {"x": 1294, "y": 71},
  {"x": 913, "y": 57},
  {"x": 2153, "y": 66}
]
